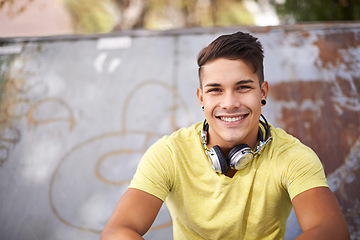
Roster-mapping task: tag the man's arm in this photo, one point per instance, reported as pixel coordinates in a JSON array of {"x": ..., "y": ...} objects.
[
  {"x": 319, "y": 215},
  {"x": 133, "y": 216}
]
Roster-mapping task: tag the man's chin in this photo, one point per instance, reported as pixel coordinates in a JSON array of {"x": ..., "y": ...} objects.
[{"x": 231, "y": 141}]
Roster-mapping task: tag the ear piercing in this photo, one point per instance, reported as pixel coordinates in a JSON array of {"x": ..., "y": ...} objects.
[
  {"x": 202, "y": 108},
  {"x": 263, "y": 102}
]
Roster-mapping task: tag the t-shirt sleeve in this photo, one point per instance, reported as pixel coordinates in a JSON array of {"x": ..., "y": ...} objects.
[
  {"x": 303, "y": 171},
  {"x": 154, "y": 173}
]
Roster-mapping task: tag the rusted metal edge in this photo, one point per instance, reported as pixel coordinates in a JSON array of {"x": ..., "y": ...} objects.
[{"x": 189, "y": 31}]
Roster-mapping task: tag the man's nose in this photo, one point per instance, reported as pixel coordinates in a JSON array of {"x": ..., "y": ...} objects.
[{"x": 230, "y": 101}]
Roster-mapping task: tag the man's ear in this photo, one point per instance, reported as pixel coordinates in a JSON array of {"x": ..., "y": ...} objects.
[
  {"x": 264, "y": 90},
  {"x": 199, "y": 94}
]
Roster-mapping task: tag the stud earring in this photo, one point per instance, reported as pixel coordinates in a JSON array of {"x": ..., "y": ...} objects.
[
  {"x": 263, "y": 102},
  {"x": 202, "y": 108}
]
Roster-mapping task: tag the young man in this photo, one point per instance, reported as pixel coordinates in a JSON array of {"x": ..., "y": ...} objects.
[{"x": 260, "y": 171}]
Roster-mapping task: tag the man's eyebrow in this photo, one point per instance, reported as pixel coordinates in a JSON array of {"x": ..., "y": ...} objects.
[
  {"x": 212, "y": 85},
  {"x": 237, "y": 83},
  {"x": 244, "y": 82}
]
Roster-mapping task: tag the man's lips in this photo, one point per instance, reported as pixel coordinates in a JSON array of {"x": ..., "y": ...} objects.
[{"x": 232, "y": 118}]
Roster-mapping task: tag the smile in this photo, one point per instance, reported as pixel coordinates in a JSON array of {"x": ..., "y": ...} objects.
[{"x": 233, "y": 119}]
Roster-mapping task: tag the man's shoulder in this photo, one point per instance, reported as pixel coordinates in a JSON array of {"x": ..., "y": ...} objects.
[
  {"x": 184, "y": 133},
  {"x": 178, "y": 139},
  {"x": 283, "y": 141},
  {"x": 280, "y": 135}
]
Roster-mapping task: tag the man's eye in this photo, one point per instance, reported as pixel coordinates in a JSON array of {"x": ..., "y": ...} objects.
[
  {"x": 214, "y": 90},
  {"x": 244, "y": 87}
]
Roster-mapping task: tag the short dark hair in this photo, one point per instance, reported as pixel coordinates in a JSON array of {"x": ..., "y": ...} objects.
[{"x": 235, "y": 46}]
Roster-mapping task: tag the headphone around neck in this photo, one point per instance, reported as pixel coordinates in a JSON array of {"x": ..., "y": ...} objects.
[{"x": 239, "y": 156}]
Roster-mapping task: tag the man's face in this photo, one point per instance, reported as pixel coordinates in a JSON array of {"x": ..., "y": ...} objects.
[{"x": 231, "y": 95}]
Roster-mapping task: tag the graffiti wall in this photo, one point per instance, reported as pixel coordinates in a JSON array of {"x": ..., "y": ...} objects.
[{"x": 77, "y": 113}]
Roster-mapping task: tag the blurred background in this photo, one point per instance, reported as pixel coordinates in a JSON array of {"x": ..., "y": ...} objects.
[
  {"x": 87, "y": 86},
  {"x": 53, "y": 17}
]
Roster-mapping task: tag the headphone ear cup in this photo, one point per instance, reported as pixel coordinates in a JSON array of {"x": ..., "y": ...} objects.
[
  {"x": 240, "y": 156},
  {"x": 220, "y": 163}
]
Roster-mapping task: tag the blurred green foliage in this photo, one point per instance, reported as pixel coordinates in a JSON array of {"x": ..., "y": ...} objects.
[
  {"x": 196, "y": 13},
  {"x": 13, "y": 9},
  {"x": 94, "y": 16},
  {"x": 319, "y": 10},
  {"x": 90, "y": 16}
]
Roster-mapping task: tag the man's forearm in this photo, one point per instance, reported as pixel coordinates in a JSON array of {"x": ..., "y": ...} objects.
[
  {"x": 325, "y": 233},
  {"x": 120, "y": 234}
]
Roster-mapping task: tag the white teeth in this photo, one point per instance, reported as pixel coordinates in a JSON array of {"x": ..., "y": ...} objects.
[{"x": 232, "y": 119}]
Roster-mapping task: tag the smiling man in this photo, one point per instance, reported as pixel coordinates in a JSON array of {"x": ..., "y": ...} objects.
[
  {"x": 234, "y": 176},
  {"x": 231, "y": 97}
]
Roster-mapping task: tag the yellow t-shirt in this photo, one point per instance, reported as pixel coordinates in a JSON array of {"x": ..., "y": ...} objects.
[{"x": 254, "y": 204}]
